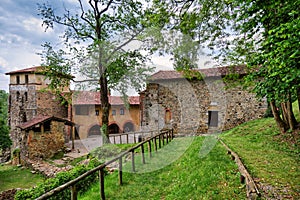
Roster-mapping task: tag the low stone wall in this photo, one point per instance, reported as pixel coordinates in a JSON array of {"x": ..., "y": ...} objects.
[
  {"x": 8, "y": 194},
  {"x": 4, "y": 155}
]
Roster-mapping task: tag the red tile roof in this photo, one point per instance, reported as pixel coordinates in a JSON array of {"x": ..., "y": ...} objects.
[
  {"x": 27, "y": 70},
  {"x": 42, "y": 119},
  {"x": 93, "y": 98},
  {"x": 209, "y": 72}
]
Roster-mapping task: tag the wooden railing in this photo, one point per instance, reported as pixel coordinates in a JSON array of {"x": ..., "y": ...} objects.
[
  {"x": 163, "y": 137},
  {"x": 130, "y": 137}
]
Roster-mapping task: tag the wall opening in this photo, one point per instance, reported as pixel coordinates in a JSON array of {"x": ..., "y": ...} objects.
[
  {"x": 95, "y": 130},
  {"x": 26, "y": 79},
  {"x": 113, "y": 128},
  {"x": 168, "y": 116},
  {"x": 213, "y": 118},
  {"x": 18, "y": 79},
  {"x": 128, "y": 127}
]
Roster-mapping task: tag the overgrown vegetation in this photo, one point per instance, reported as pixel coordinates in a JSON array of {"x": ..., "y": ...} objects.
[
  {"x": 214, "y": 176},
  {"x": 61, "y": 178}
]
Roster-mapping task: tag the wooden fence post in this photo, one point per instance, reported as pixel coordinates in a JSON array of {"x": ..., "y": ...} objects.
[
  {"x": 149, "y": 147},
  {"x": 120, "y": 171},
  {"x": 167, "y": 137},
  {"x": 132, "y": 161},
  {"x": 73, "y": 192},
  {"x": 114, "y": 139},
  {"x": 120, "y": 139},
  {"x": 155, "y": 145},
  {"x": 127, "y": 138},
  {"x": 143, "y": 154},
  {"x": 159, "y": 141},
  {"x": 134, "y": 140},
  {"x": 101, "y": 178}
]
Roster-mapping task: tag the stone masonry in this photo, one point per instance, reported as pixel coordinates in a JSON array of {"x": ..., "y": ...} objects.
[{"x": 193, "y": 102}]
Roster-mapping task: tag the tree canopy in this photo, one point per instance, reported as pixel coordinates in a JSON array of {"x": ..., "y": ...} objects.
[
  {"x": 264, "y": 35},
  {"x": 107, "y": 41},
  {"x": 5, "y": 141}
]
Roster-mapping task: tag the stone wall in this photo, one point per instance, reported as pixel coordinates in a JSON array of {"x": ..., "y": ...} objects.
[
  {"x": 43, "y": 145},
  {"x": 49, "y": 105},
  {"x": 191, "y": 102}
]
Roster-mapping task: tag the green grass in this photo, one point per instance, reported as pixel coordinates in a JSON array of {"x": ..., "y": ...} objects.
[
  {"x": 177, "y": 171},
  {"x": 16, "y": 177},
  {"x": 267, "y": 155}
]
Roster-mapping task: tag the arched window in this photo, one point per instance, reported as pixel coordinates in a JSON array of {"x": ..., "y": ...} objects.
[
  {"x": 113, "y": 128},
  {"x": 95, "y": 130},
  {"x": 168, "y": 116},
  {"x": 128, "y": 127}
]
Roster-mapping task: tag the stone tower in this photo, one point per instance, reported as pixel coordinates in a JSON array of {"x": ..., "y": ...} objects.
[{"x": 27, "y": 100}]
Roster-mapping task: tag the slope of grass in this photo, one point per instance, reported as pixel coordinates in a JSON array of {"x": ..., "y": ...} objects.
[
  {"x": 16, "y": 177},
  {"x": 191, "y": 176},
  {"x": 267, "y": 155}
]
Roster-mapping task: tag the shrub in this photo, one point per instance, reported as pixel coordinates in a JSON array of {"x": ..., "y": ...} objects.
[{"x": 62, "y": 178}]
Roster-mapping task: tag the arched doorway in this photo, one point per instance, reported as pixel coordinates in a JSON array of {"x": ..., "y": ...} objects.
[
  {"x": 95, "y": 130},
  {"x": 128, "y": 127},
  {"x": 113, "y": 128}
]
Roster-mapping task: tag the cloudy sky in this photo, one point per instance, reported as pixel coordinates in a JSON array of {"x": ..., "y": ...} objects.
[{"x": 21, "y": 36}]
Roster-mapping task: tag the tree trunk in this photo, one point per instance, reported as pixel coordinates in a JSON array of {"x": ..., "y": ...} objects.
[
  {"x": 105, "y": 108},
  {"x": 280, "y": 123},
  {"x": 291, "y": 117},
  {"x": 284, "y": 112},
  {"x": 298, "y": 95}
]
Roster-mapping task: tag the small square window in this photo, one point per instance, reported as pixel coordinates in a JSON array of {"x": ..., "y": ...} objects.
[
  {"x": 97, "y": 112},
  {"x": 113, "y": 112},
  {"x": 122, "y": 112}
]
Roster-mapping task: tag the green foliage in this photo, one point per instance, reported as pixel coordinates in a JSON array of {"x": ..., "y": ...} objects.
[
  {"x": 5, "y": 141},
  {"x": 60, "y": 179}
]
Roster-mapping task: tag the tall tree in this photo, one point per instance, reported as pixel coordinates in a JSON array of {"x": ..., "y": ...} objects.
[
  {"x": 104, "y": 42},
  {"x": 264, "y": 35},
  {"x": 5, "y": 141}
]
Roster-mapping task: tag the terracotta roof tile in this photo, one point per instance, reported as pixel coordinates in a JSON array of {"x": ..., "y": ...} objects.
[
  {"x": 27, "y": 70},
  {"x": 93, "y": 98},
  {"x": 209, "y": 72},
  {"x": 41, "y": 119}
]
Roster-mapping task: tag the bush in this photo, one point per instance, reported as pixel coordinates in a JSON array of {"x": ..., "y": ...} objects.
[{"x": 60, "y": 179}]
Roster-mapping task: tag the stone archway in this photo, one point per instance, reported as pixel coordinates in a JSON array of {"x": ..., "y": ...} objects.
[
  {"x": 113, "y": 128},
  {"x": 128, "y": 127},
  {"x": 94, "y": 130}
]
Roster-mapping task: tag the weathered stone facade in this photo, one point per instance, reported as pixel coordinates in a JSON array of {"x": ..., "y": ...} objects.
[
  {"x": 27, "y": 101},
  {"x": 197, "y": 106},
  {"x": 44, "y": 145}
]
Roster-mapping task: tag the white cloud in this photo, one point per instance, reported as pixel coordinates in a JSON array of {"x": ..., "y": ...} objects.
[{"x": 35, "y": 25}]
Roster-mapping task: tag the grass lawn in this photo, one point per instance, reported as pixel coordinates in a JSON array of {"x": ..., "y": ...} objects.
[
  {"x": 267, "y": 156},
  {"x": 16, "y": 177},
  {"x": 179, "y": 173}
]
